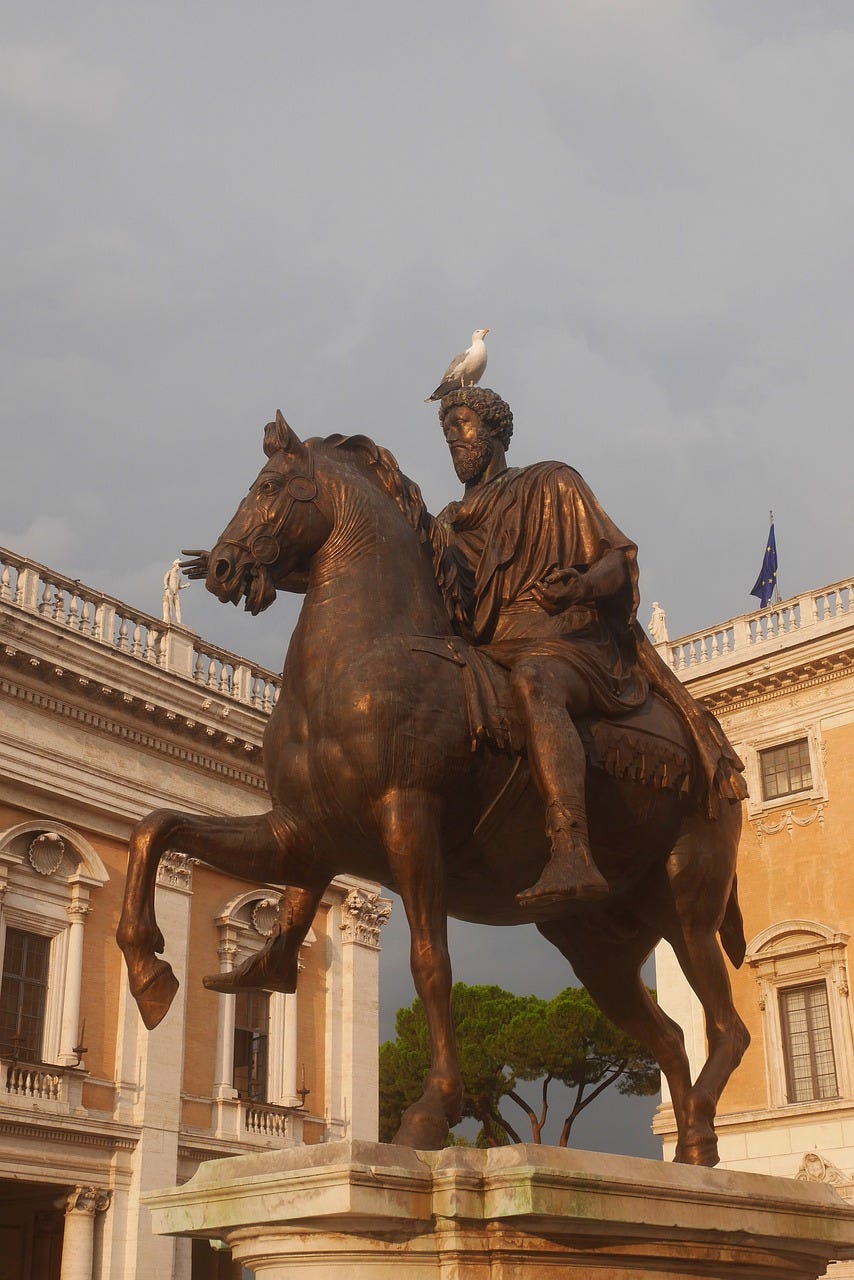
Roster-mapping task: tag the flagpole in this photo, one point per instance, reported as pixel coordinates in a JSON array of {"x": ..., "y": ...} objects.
[{"x": 776, "y": 578}]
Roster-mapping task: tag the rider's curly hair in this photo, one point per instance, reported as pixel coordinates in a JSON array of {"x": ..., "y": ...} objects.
[{"x": 488, "y": 405}]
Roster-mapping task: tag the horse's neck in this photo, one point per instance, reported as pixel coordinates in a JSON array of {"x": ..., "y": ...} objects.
[{"x": 373, "y": 572}]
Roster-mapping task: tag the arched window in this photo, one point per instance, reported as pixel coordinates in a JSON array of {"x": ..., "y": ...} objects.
[
  {"x": 801, "y": 970},
  {"x": 47, "y": 872}
]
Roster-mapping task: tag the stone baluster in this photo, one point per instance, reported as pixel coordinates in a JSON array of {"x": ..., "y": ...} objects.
[
  {"x": 123, "y": 644},
  {"x": 73, "y": 618},
  {"x": 78, "y": 1240},
  {"x": 6, "y": 583},
  {"x": 136, "y": 645},
  {"x": 46, "y": 600}
]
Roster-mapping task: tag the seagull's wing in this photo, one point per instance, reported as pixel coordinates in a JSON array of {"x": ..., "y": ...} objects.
[{"x": 451, "y": 376}]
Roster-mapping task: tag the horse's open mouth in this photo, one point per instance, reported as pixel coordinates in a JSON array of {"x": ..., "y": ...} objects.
[{"x": 258, "y": 587}]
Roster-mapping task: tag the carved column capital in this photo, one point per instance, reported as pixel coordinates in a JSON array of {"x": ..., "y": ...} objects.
[
  {"x": 364, "y": 914},
  {"x": 175, "y": 870},
  {"x": 87, "y": 1200}
]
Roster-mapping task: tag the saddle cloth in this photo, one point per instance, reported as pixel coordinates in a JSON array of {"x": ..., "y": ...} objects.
[{"x": 650, "y": 745}]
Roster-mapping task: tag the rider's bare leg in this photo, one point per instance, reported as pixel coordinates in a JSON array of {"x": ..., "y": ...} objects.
[
  {"x": 547, "y": 693},
  {"x": 275, "y": 967}
]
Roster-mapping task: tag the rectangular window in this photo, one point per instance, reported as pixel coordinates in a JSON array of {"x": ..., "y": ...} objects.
[
  {"x": 807, "y": 1043},
  {"x": 251, "y": 1036},
  {"x": 22, "y": 995},
  {"x": 786, "y": 769}
]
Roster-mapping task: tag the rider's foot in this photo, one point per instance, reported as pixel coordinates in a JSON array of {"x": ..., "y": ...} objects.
[
  {"x": 570, "y": 875},
  {"x": 273, "y": 969}
]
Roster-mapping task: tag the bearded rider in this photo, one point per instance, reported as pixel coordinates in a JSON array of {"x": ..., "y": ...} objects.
[{"x": 539, "y": 578}]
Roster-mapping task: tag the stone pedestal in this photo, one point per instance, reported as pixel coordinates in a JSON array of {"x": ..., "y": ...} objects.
[{"x": 361, "y": 1210}]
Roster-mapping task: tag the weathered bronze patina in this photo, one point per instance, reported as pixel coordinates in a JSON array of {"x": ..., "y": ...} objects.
[{"x": 449, "y": 684}]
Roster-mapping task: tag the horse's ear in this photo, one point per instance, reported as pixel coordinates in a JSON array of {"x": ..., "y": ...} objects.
[{"x": 278, "y": 435}]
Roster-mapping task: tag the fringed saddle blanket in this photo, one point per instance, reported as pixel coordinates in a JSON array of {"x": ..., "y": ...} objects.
[{"x": 649, "y": 746}]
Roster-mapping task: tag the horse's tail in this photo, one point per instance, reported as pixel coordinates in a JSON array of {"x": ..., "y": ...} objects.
[{"x": 732, "y": 928}]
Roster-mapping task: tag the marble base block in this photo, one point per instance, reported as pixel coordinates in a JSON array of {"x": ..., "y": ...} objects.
[{"x": 361, "y": 1210}]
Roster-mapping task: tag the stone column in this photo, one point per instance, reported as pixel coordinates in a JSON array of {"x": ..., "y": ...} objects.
[
  {"x": 290, "y": 1098},
  {"x": 353, "y": 1094},
  {"x": 224, "y": 1067},
  {"x": 78, "y": 1241},
  {"x": 77, "y": 911},
  {"x": 149, "y": 1072}
]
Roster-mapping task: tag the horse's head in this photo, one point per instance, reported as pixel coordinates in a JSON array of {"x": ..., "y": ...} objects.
[{"x": 276, "y": 529}]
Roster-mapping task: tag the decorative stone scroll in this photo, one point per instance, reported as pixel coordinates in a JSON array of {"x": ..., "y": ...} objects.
[
  {"x": 787, "y": 822},
  {"x": 364, "y": 915},
  {"x": 815, "y": 1167},
  {"x": 45, "y": 852},
  {"x": 176, "y": 870}
]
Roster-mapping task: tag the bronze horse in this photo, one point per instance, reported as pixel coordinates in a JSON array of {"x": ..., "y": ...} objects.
[{"x": 370, "y": 768}]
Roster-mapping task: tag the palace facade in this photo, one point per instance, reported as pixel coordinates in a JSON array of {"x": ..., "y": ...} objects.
[
  {"x": 781, "y": 681},
  {"x": 107, "y": 713}
]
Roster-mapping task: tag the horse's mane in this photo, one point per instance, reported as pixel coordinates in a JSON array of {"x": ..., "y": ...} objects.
[{"x": 381, "y": 466}]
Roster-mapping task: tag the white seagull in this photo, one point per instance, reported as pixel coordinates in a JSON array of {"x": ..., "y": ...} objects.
[{"x": 465, "y": 369}]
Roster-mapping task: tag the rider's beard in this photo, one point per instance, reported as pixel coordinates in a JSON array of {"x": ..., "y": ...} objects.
[{"x": 471, "y": 460}]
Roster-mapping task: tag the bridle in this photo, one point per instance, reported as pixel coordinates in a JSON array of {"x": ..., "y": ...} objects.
[{"x": 263, "y": 546}]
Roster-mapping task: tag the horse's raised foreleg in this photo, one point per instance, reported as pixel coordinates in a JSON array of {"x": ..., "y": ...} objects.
[
  {"x": 411, "y": 836},
  {"x": 700, "y": 870},
  {"x": 609, "y": 966},
  {"x": 252, "y": 848}
]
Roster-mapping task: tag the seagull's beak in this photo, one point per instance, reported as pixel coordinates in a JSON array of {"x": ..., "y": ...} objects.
[{"x": 485, "y": 332}]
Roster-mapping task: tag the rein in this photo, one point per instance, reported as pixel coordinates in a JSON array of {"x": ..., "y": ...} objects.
[{"x": 263, "y": 546}]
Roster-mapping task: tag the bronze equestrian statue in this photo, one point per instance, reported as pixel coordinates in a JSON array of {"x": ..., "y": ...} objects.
[{"x": 448, "y": 685}]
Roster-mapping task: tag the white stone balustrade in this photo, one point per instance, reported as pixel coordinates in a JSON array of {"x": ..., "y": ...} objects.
[
  {"x": 69, "y": 604},
  {"x": 764, "y": 630},
  {"x": 262, "y": 1120},
  {"x": 35, "y": 1083}
]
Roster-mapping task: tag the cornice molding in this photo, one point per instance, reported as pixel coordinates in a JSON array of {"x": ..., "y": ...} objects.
[
  {"x": 55, "y": 1129},
  {"x": 144, "y": 739},
  {"x": 774, "y": 684}
]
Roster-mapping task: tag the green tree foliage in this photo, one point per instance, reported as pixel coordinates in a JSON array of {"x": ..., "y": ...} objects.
[{"x": 504, "y": 1040}]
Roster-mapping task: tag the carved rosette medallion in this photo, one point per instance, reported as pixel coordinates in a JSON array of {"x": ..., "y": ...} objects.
[
  {"x": 175, "y": 870},
  {"x": 45, "y": 852},
  {"x": 364, "y": 914}
]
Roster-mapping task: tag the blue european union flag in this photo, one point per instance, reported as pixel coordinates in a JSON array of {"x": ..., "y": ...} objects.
[{"x": 766, "y": 584}]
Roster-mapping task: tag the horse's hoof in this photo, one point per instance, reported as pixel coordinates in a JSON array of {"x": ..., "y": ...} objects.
[
  {"x": 421, "y": 1129},
  {"x": 156, "y": 996},
  {"x": 703, "y": 1153}
]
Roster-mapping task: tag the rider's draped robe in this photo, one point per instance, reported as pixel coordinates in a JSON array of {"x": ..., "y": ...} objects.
[{"x": 510, "y": 533}]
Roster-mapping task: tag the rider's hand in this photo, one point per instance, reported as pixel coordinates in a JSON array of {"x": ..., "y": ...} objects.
[
  {"x": 559, "y": 589},
  {"x": 197, "y": 567}
]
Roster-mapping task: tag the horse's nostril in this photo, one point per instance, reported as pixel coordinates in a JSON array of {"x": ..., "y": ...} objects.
[{"x": 221, "y": 569}]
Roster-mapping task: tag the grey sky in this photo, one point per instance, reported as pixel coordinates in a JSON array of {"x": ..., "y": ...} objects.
[{"x": 216, "y": 210}]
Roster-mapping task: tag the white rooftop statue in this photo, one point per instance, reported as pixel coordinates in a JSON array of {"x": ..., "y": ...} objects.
[
  {"x": 172, "y": 584},
  {"x": 658, "y": 624}
]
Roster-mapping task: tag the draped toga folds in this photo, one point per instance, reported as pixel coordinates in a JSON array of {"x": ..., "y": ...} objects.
[{"x": 509, "y": 533}]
